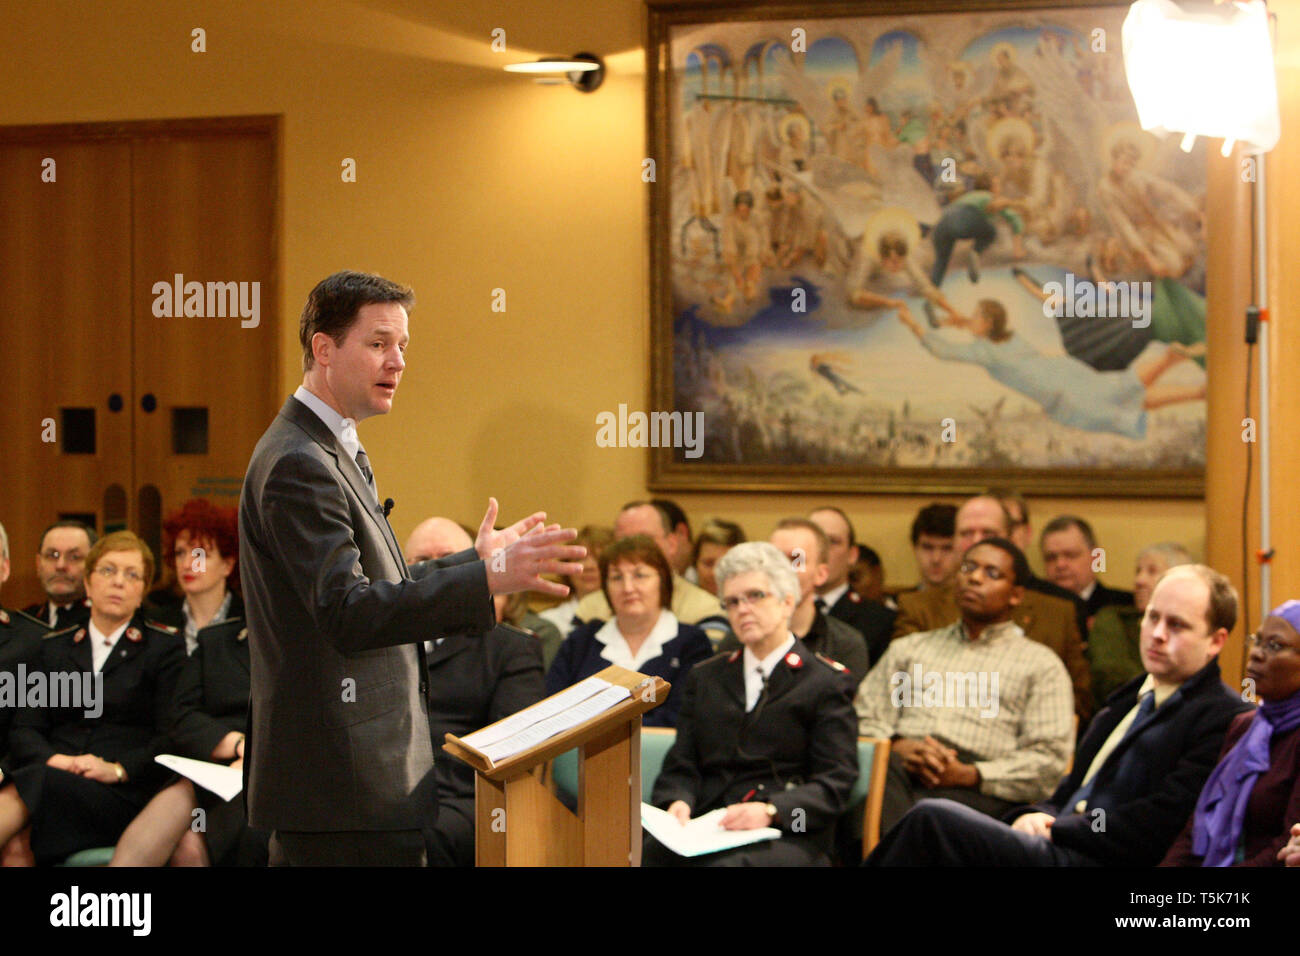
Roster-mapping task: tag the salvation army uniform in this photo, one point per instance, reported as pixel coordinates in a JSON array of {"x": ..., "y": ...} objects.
[
  {"x": 20, "y": 643},
  {"x": 69, "y": 812},
  {"x": 210, "y": 701},
  {"x": 75, "y": 614},
  {"x": 796, "y": 749},
  {"x": 474, "y": 680},
  {"x": 871, "y": 619}
]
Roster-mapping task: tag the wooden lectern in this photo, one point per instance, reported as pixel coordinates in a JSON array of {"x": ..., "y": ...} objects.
[{"x": 519, "y": 822}]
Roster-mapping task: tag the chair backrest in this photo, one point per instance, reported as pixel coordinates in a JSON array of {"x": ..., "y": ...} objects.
[
  {"x": 869, "y": 790},
  {"x": 655, "y": 744}
]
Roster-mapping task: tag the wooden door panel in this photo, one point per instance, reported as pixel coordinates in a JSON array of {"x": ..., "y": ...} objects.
[
  {"x": 204, "y": 209},
  {"x": 65, "y": 268}
]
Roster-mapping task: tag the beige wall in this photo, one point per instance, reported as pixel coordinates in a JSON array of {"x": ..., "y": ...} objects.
[{"x": 468, "y": 180}]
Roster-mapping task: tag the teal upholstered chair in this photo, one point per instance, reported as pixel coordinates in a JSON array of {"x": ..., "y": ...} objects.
[
  {"x": 655, "y": 743},
  {"x": 96, "y": 856}
]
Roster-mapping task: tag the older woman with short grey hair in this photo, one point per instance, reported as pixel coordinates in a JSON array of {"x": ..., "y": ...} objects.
[{"x": 766, "y": 734}]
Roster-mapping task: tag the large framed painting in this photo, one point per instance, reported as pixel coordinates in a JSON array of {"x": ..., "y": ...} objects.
[{"x": 918, "y": 252}]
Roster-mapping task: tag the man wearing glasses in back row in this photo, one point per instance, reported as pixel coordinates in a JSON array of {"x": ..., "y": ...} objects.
[{"x": 60, "y": 564}]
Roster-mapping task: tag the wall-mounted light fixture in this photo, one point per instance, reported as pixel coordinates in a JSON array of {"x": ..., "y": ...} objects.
[{"x": 585, "y": 71}]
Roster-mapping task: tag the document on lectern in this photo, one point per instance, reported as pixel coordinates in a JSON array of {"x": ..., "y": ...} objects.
[
  {"x": 701, "y": 835},
  {"x": 564, "y": 711}
]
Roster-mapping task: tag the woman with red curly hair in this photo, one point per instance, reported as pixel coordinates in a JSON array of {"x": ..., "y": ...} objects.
[
  {"x": 210, "y": 708},
  {"x": 202, "y": 540}
]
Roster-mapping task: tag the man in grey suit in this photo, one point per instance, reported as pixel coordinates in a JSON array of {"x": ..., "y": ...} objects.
[{"x": 339, "y": 758}]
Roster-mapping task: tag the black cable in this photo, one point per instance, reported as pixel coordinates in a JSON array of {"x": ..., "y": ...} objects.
[{"x": 1245, "y": 502}]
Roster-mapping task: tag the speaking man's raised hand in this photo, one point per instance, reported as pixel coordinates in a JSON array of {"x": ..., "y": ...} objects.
[{"x": 519, "y": 555}]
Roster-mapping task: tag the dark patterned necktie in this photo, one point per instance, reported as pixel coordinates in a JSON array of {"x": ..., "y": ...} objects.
[{"x": 363, "y": 462}]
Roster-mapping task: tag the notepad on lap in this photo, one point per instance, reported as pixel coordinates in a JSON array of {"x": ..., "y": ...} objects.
[
  {"x": 225, "y": 782},
  {"x": 701, "y": 835}
]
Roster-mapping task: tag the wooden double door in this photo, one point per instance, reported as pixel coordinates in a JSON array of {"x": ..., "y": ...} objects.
[{"x": 114, "y": 408}]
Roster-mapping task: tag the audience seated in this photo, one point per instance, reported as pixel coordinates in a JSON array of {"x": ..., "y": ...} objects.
[
  {"x": 595, "y": 538},
  {"x": 1114, "y": 654},
  {"x": 1138, "y": 769},
  {"x": 643, "y": 635},
  {"x": 805, "y": 544},
  {"x": 78, "y": 780},
  {"x": 714, "y": 540},
  {"x": 933, "y": 532},
  {"x": 1243, "y": 814},
  {"x": 1068, "y": 555},
  {"x": 20, "y": 644},
  {"x": 691, "y": 603},
  {"x": 766, "y": 732},
  {"x": 210, "y": 707},
  {"x": 978, "y": 712},
  {"x": 60, "y": 565},
  {"x": 871, "y": 619},
  {"x": 1049, "y": 620},
  {"x": 474, "y": 680}
]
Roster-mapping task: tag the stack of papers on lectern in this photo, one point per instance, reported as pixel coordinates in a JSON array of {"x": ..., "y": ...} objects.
[
  {"x": 552, "y": 716},
  {"x": 701, "y": 835},
  {"x": 225, "y": 782}
]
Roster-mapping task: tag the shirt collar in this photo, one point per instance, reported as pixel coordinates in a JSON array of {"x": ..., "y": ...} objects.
[
  {"x": 832, "y": 597},
  {"x": 97, "y": 636},
  {"x": 616, "y": 649},
  {"x": 1163, "y": 691},
  {"x": 344, "y": 429},
  {"x": 990, "y": 634},
  {"x": 767, "y": 664},
  {"x": 1087, "y": 592}
]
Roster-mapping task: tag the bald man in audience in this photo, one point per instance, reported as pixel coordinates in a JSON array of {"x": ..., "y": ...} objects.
[
  {"x": 1050, "y": 620},
  {"x": 1138, "y": 770},
  {"x": 691, "y": 603},
  {"x": 870, "y": 618},
  {"x": 474, "y": 680}
]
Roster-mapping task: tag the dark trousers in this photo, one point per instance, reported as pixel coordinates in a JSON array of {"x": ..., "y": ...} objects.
[
  {"x": 789, "y": 850},
  {"x": 349, "y": 848},
  {"x": 451, "y": 841},
  {"x": 902, "y": 793},
  {"x": 960, "y": 221},
  {"x": 945, "y": 833}
]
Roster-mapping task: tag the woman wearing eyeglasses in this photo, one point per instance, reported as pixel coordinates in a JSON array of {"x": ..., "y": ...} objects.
[
  {"x": 767, "y": 732},
  {"x": 643, "y": 635},
  {"x": 1246, "y": 809},
  {"x": 85, "y": 767}
]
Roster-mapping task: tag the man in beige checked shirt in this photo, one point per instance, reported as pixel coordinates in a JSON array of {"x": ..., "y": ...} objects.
[{"x": 977, "y": 712}]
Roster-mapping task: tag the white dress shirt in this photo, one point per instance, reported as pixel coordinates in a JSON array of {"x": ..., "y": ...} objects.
[
  {"x": 758, "y": 672},
  {"x": 101, "y": 644},
  {"x": 833, "y": 596},
  {"x": 344, "y": 429}
]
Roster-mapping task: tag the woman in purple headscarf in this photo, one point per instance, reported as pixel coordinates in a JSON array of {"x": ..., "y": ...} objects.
[{"x": 1244, "y": 814}]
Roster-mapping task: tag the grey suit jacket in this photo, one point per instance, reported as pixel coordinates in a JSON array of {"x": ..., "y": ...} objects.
[{"x": 338, "y": 727}]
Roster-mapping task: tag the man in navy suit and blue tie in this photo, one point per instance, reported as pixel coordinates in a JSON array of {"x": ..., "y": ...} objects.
[
  {"x": 1138, "y": 770},
  {"x": 339, "y": 758}
]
